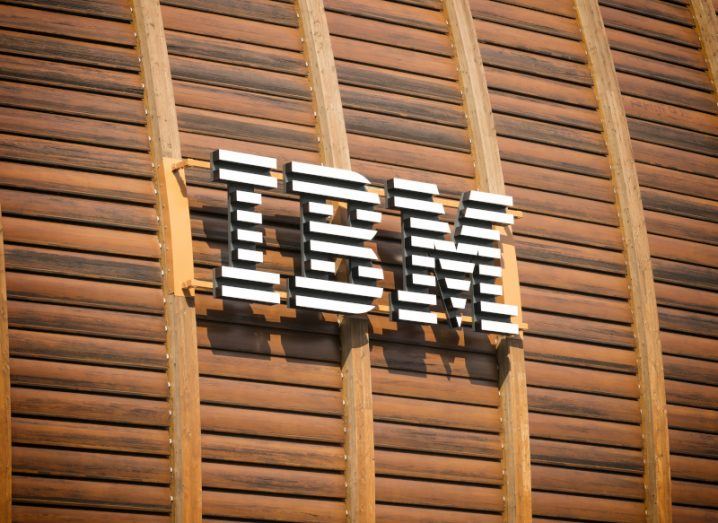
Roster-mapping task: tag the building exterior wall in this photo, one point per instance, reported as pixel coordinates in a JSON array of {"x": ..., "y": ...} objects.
[
  {"x": 91, "y": 417},
  {"x": 89, "y": 385}
]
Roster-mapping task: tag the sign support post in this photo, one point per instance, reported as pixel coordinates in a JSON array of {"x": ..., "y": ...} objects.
[
  {"x": 489, "y": 177},
  {"x": 642, "y": 293},
  {"x": 353, "y": 331},
  {"x": 177, "y": 264}
]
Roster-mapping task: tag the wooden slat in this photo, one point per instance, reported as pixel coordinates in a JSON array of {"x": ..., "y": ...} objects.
[
  {"x": 652, "y": 400},
  {"x": 706, "y": 20},
  {"x": 177, "y": 263},
  {"x": 488, "y": 176},
  {"x": 354, "y": 332},
  {"x": 5, "y": 432}
]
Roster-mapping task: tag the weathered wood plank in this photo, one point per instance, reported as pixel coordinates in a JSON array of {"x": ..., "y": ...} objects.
[
  {"x": 488, "y": 176},
  {"x": 657, "y": 476},
  {"x": 354, "y": 332},
  {"x": 176, "y": 259}
]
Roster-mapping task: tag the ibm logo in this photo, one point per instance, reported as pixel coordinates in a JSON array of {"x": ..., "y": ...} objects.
[{"x": 339, "y": 272}]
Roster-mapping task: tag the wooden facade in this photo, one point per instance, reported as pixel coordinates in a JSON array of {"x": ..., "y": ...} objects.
[{"x": 135, "y": 396}]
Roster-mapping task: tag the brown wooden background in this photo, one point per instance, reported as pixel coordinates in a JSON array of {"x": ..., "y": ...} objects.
[
  {"x": 89, "y": 383},
  {"x": 88, "y": 365}
]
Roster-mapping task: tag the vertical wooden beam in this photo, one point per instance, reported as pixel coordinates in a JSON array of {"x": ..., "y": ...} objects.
[
  {"x": 489, "y": 177},
  {"x": 177, "y": 264},
  {"x": 359, "y": 419},
  {"x": 5, "y": 412},
  {"x": 656, "y": 455},
  {"x": 354, "y": 332},
  {"x": 706, "y": 22}
]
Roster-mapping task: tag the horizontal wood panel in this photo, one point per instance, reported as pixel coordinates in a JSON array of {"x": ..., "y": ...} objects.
[
  {"x": 588, "y": 508},
  {"x": 74, "y": 155},
  {"x": 436, "y": 441},
  {"x": 390, "y": 512},
  {"x": 235, "y": 127},
  {"x": 80, "y": 238},
  {"x": 426, "y": 493},
  {"x": 228, "y": 420},
  {"x": 385, "y": 32},
  {"x": 40, "y": 205},
  {"x": 579, "y": 354},
  {"x": 392, "y": 57},
  {"x": 269, "y": 396},
  {"x": 563, "y": 428},
  {"x": 75, "y": 182},
  {"x": 239, "y": 102},
  {"x": 663, "y": 92},
  {"x": 39, "y": 514},
  {"x": 436, "y": 414},
  {"x": 651, "y": 48},
  {"x": 79, "y": 77},
  {"x": 90, "y": 407},
  {"x": 586, "y": 456},
  {"x": 216, "y": 25},
  {"x": 83, "y": 321},
  {"x": 83, "y": 265},
  {"x": 668, "y": 12},
  {"x": 526, "y": 16},
  {"x": 239, "y": 77},
  {"x": 446, "y": 468},
  {"x": 62, "y": 347},
  {"x": 391, "y": 13},
  {"x": 91, "y": 494},
  {"x": 278, "y": 508},
  {"x": 77, "y": 103},
  {"x": 695, "y": 444},
  {"x": 670, "y": 115},
  {"x": 263, "y": 10},
  {"x": 659, "y": 70},
  {"x": 648, "y": 26},
  {"x": 108, "y": 9},
  {"x": 582, "y": 405},
  {"x": 101, "y": 295},
  {"x": 75, "y": 377},
  {"x": 272, "y": 480},
  {"x": 272, "y": 452},
  {"x": 581, "y": 380},
  {"x": 90, "y": 465},
  {"x": 433, "y": 387},
  {"x": 572, "y": 481},
  {"x": 89, "y": 436},
  {"x": 236, "y": 53},
  {"x": 65, "y": 50},
  {"x": 267, "y": 340},
  {"x": 268, "y": 368},
  {"x": 48, "y": 22},
  {"x": 527, "y": 40},
  {"x": 396, "y": 357},
  {"x": 693, "y": 493},
  {"x": 690, "y": 418}
]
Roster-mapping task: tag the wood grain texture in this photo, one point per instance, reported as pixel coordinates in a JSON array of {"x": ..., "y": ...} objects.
[
  {"x": 657, "y": 475},
  {"x": 5, "y": 431},
  {"x": 354, "y": 332},
  {"x": 176, "y": 258},
  {"x": 359, "y": 438},
  {"x": 706, "y": 20},
  {"x": 488, "y": 176},
  {"x": 332, "y": 135}
]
